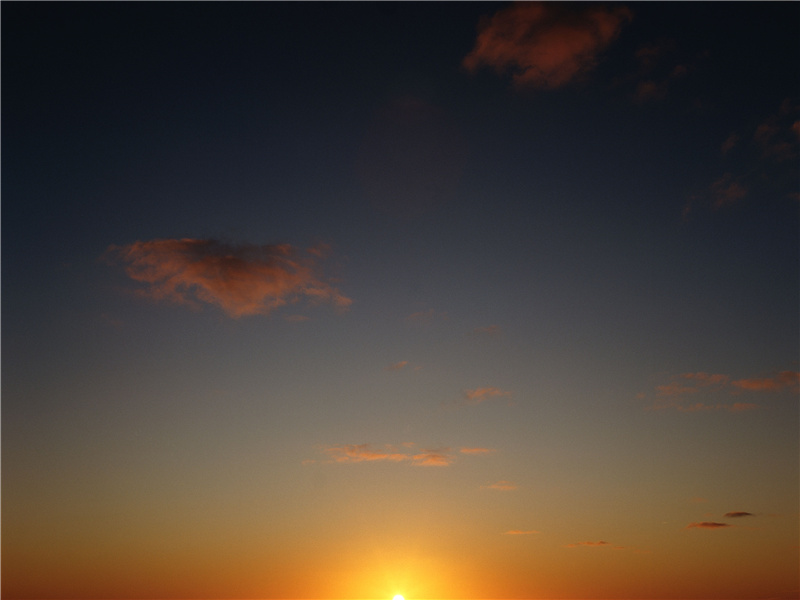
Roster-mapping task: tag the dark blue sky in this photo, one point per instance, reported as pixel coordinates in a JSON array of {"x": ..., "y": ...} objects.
[{"x": 258, "y": 213}]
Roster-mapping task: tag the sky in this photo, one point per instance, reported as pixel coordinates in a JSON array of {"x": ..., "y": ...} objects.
[{"x": 448, "y": 300}]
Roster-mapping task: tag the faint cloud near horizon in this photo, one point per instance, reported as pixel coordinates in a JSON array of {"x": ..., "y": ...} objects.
[
  {"x": 240, "y": 279},
  {"x": 545, "y": 45},
  {"x": 502, "y": 486},
  {"x": 358, "y": 453}
]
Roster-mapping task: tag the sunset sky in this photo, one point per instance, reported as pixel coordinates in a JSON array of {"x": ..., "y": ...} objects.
[{"x": 447, "y": 300}]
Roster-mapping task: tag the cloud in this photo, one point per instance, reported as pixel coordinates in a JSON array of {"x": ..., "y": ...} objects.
[
  {"x": 477, "y": 450},
  {"x": 488, "y": 330},
  {"x": 483, "y": 394},
  {"x": 432, "y": 458},
  {"x": 241, "y": 279},
  {"x": 783, "y": 380},
  {"x": 503, "y": 486},
  {"x": 357, "y": 453},
  {"x": 729, "y": 143},
  {"x": 726, "y": 191},
  {"x": 674, "y": 393},
  {"x": 520, "y": 532},
  {"x": 707, "y": 525},
  {"x": 397, "y": 366},
  {"x": 595, "y": 544},
  {"x": 545, "y": 45},
  {"x": 738, "y": 514},
  {"x": 426, "y": 316}
]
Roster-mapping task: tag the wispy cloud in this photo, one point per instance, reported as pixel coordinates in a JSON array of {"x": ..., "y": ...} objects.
[
  {"x": 482, "y": 394},
  {"x": 477, "y": 450},
  {"x": 784, "y": 380},
  {"x": 590, "y": 544},
  {"x": 488, "y": 330},
  {"x": 770, "y": 150},
  {"x": 397, "y": 366},
  {"x": 241, "y": 279},
  {"x": 707, "y": 525},
  {"x": 675, "y": 393},
  {"x": 426, "y": 316},
  {"x": 521, "y": 532},
  {"x": 545, "y": 45},
  {"x": 502, "y": 486},
  {"x": 737, "y": 514},
  {"x": 358, "y": 453}
]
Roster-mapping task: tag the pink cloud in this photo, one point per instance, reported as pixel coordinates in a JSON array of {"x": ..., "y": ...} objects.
[
  {"x": 783, "y": 380},
  {"x": 357, "y": 453},
  {"x": 397, "y": 366},
  {"x": 521, "y": 532},
  {"x": 707, "y": 525},
  {"x": 545, "y": 45},
  {"x": 483, "y": 394},
  {"x": 503, "y": 486},
  {"x": 477, "y": 450},
  {"x": 244, "y": 279},
  {"x": 726, "y": 191}
]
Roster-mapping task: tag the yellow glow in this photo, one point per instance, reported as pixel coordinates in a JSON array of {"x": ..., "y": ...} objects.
[{"x": 398, "y": 597}]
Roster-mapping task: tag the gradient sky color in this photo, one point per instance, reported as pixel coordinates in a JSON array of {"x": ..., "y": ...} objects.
[{"x": 448, "y": 300}]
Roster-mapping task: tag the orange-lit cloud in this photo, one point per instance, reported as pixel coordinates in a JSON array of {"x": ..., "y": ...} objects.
[
  {"x": 483, "y": 394},
  {"x": 488, "y": 330},
  {"x": 243, "y": 279},
  {"x": 729, "y": 143},
  {"x": 397, "y": 366},
  {"x": 432, "y": 458},
  {"x": 477, "y": 450},
  {"x": 545, "y": 45},
  {"x": 783, "y": 380},
  {"x": 521, "y": 532},
  {"x": 707, "y": 525},
  {"x": 357, "y": 453},
  {"x": 503, "y": 486},
  {"x": 591, "y": 544},
  {"x": 726, "y": 191},
  {"x": 737, "y": 514},
  {"x": 674, "y": 393}
]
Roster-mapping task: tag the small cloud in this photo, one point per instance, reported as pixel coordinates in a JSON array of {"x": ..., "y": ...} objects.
[
  {"x": 241, "y": 279},
  {"x": 545, "y": 45},
  {"x": 726, "y": 191},
  {"x": 737, "y": 514},
  {"x": 488, "y": 330},
  {"x": 397, "y": 366},
  {"x": 357, "y": 453},
  {"x": 433, "y": 458},
  {"x": 297, "y": 318},
  {"x": 707, "y": 525},
  {"x": 520, "y": 532},
  {"x": 483, "y": 394},
  {"x": 729, "y": 143},
  {"x": 503, "y": 486},
  {"x": 591, "y": 544},
  {"x": 477, "y": 450},
  {"x": 426, "y": 316},
  {"x": 783, "y": 380},
  {"x": 699, "y": 500}
]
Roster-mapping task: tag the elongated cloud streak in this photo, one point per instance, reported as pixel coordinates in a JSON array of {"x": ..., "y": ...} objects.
[
  {"x": 521, "y": 532},
  {"x": 577, "y": 544},
  {"x": 503, "y": 486},
  {"x": 783, "y": 380},
  {"x": 356, "y": 453},
  {"x": 244, "y": 279},
  {"x": 477, "y": 450},
  {"x": 707, "y": 525},
  {"x": 545, "y": 45},
  {"x": 482, "y": 394},
  {"x": 737, "y": 514}
]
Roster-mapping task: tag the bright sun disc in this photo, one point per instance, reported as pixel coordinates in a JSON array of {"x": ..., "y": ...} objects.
[{"x": 398, "y": 597}]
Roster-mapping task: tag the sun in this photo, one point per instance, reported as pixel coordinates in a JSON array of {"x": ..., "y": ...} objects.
[{"x": 398, "y": 597}]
